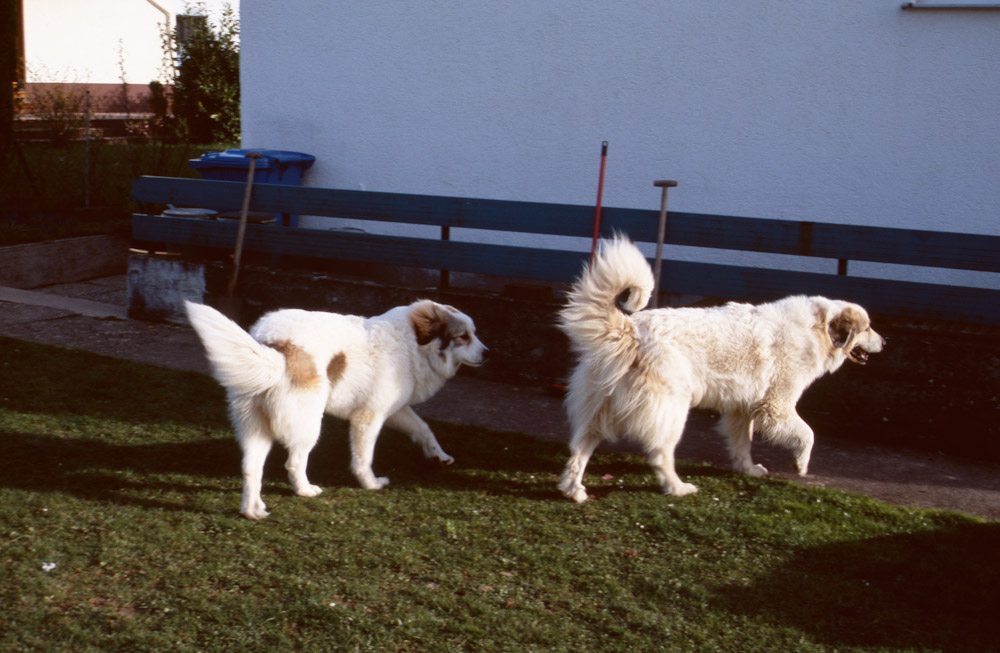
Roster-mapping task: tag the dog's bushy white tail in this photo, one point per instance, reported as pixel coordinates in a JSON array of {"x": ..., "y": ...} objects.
[
  {"x": 238, "y": 361},
  {"x": 596, "y": 317}
]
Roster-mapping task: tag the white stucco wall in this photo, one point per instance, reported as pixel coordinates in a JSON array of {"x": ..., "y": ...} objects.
[{"x": 855, "y": 111}]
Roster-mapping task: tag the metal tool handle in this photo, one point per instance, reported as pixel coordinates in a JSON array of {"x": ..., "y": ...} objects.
[
  {"x": 237, "y": 255},
  {"x": 664, "y": 184}
]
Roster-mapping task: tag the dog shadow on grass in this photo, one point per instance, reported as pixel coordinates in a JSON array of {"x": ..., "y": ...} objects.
[
  {"x": 928, "y": 590},
  {"x": 136, "y": 474},
  {"x": 118, "y": 473},
  {"x": 494, "y": 462},
  {"x": 56, "y": 382}
]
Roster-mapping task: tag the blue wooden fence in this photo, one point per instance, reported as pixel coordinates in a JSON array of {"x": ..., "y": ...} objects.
[{"x": 802, "y": 238}]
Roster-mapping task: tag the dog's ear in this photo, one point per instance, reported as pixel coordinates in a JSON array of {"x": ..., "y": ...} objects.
[
  {"x": 843, "y": 326},
  {"x": 430, "y": 321}
]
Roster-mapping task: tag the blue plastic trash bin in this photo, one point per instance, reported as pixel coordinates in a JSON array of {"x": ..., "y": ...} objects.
[{"x": 274, "y": 167}]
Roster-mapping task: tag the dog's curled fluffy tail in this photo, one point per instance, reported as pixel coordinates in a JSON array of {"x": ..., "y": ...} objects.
[
  {"x": 238, "y": 361},
  {"x": 596, "y": 316}
]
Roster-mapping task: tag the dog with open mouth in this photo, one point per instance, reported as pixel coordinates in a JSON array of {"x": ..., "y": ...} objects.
[
  {"x": 641, "y": 371},
  {"x": 295, "y": 365}
]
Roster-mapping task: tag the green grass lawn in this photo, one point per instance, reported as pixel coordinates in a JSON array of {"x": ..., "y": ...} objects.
[{"x": 119, "y": 530}]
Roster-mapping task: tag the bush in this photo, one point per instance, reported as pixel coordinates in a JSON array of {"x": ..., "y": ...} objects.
[
  {"x": 64, "y": 187},
  {"x": 206, "y": 80},
  {"x": 62, "y": 108},
  {"x": 42, "y": 189}
]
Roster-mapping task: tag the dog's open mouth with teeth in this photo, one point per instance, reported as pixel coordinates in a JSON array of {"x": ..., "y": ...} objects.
[{"x": 858, "y": 355}]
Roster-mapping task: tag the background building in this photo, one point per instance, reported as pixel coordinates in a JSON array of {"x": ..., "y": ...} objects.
[
  {"x": 859, "y": 111},
  {"x": 102, "y": 44}
]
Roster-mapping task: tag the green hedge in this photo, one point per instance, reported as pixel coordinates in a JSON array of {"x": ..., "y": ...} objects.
[{"x": 50, "y": 192}]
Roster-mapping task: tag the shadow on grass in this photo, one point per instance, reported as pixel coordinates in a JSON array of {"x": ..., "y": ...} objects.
[
  {"x": 127, "y": 473},
  {"x": 41, "y": 380},
  {"x": 485, "y": 461},
  {"x": 48, "y": 380},
  {"x": 97, "y": 470},
  {"x": 926, "y": 590}
]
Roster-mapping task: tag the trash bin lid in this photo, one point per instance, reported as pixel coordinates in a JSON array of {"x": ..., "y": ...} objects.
[
  {"x": 238, "y": 159},
  {"x": 190, "y": 213}
]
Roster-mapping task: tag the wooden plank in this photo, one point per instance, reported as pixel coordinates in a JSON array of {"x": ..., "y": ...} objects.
[
  {"x": 186, "y": 192},
  {"x": 898, "y": 298},
  {"x": 917, "y": 300},
  {"x": 457, "y": 256},
  {"x": 825, "y": 240},
  {"x": 459, "y": 212}
]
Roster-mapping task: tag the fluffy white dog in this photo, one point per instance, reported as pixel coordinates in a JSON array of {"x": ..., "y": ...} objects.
[
  {"x": 640, "y": 372},
  {"x": 294, "y": 365}
]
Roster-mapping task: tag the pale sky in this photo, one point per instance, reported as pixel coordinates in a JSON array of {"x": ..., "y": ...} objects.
[{"x": 85, "y": 40}]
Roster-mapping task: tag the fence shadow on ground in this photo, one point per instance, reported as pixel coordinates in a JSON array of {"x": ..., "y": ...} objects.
[{"x": 907, "y": 590}]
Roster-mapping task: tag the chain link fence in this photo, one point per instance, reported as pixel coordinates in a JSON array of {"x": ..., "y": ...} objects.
[{"x": 71, "y": 167}]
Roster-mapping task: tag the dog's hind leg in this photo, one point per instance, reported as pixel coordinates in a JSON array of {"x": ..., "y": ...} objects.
[
  {"x": 255, "y": 447},
  {"x": 298, "y": 460},
  {"x": 365, "y": 427},
  {"x": 669, "y": 428},
  {"x": 582, "y": 446},
  {"x": 299, "y": 431},
  {"x": 410, "y": 423},
  {"x": 662, "y": 461},
  {"x": 253, "y": 432},
  {"x": 738, "y": 430}
]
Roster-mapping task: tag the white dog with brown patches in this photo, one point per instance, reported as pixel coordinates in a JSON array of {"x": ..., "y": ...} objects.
[
  {"x": 294, "y": 365},
  {"x": 639, "y": 373}
]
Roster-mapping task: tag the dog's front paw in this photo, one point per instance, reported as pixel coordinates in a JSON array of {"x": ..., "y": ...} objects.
[
  {"x": 253, "y": 508},
  {"x": 309, "y": 491},
  {"x": 749, "y": 468},
  {"x": 576, "y": 493},
  {"x": 802, "y": 459},
  {"x": 255, "y": 513},
  {"x": 681, "y": 490},
  {"x": 571, "y": 488},
  {"x": 375, "y": 482}
]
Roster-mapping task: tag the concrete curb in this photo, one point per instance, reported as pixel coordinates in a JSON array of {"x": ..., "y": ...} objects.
[
  {"x": 34, "y": 265},
  {"x": 72, "y": 305}
]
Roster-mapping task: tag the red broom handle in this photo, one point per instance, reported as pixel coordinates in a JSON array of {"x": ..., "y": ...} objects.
[{"x": 600, "y": 192}]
